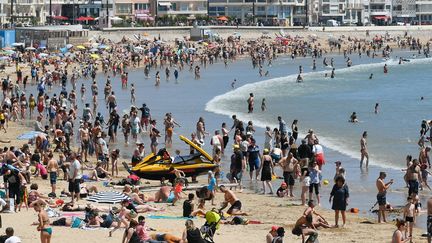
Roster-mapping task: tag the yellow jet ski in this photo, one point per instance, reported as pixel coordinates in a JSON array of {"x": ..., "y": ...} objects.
[{"x": 161, "y": 165}]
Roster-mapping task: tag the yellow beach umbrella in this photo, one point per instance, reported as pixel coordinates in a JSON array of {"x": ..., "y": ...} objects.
[
  {"x": 205, "y": 44},
  {"x": 81, "y": 47},
  {"x": 95, "y": 56}
]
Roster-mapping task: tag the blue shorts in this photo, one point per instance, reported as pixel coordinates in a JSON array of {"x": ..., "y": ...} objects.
[
  {"x": 53, "y": 178},
  {"x": 254, "y": 164},
  {"x": 171, "y": 197}
]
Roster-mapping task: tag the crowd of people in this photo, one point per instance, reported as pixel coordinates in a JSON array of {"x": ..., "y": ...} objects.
[{"x": 73, "y": 137}]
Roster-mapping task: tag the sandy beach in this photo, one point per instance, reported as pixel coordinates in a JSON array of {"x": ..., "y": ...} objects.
[{"x": 268, "y": 210}]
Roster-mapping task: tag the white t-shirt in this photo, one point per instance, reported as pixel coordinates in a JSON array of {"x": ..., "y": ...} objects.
[
  {"x": 75, "y": 166},
  {"x": 13, "y": 239},
  {"x": 317, "y": 149},
  {"x": 103, "y": 144}
]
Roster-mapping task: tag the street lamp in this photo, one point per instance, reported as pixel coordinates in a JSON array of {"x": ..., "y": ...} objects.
[
  {"x": 11, "y": 12},
  {"x": 107, "y": 14},
  {"x": 50, "y": 11}
]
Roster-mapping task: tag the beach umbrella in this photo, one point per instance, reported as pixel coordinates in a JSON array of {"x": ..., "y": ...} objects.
[
  {"x": 30, "y": 48},
  {"x": 110, "y": 197},
  {"x": 43, "y": 54},
  {"x": 139, "y": 48},
  {"x": 17, "y": 44},
  {"x": 9, "y": 52},
  {"x": 29, "y": 135},
  {"x": 60, "y": 17},
  {"x": 69, "y": 46},
  {"x": 4, "y": 58},
  {"x": 81, "y": 47},
  {"x": 102, "y": 46},
  {"x": 94, "y": 50},
  {"x": 95, "y": 56}
]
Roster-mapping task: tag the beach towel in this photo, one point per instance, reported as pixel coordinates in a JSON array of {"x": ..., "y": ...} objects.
[
  {"x": 167, "y": 217},
  {"x": 73, "y": 214}
]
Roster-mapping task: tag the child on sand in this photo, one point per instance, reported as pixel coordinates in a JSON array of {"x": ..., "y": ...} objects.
[
  {"x": 283, "y": 190},
  {"x": 409, "y": 215}
]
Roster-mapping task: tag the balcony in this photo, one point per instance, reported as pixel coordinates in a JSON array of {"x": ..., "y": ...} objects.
[
  {"x": 182, "y": 12},
  {"x": 377, "y": 1},
  {"x": 380, "y": 12}
]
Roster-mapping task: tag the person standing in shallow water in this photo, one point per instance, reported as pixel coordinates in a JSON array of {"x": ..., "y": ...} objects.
[
  {"x": 381, "y": 196},
  {"x": 363, "y": 150},
  {"x": 250, "y": 102}
]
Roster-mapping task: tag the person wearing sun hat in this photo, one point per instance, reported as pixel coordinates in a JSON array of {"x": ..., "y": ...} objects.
[{"x": 283, "y": 190}]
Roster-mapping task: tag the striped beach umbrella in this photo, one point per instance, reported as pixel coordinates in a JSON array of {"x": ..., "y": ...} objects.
[{"x": 110, "y": 197}]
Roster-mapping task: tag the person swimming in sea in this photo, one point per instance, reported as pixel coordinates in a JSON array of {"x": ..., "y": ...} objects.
[
  {"x": 233, "y": 83},
  {"x": 376, "y": 108},
  {"x": 385, "y": 68},
  {"x": 371, "y": 76},
  {"x": 332, "y": 75},
  {"x": 299, "y": 78},
  {"x": 325, "y": 62},
  {"x": 353, "y": 117},
  {"x": 263, "y": 105}
]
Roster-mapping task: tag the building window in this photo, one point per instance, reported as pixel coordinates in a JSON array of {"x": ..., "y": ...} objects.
[
  {"x": 124, "y": 8},
  {"x": 141, "y": 6},
  {"x": 326, "y": 9}
]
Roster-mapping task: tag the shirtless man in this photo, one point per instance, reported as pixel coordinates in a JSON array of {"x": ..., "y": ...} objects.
[
  {"x": 52, "y": 168},
  {"x": 429, "y": 220},
  {"x": 230, "y": 198},
  {"x": 288, "y": 165},
  {"x": 305, "y": 227},
  {"x": 85, "y": 141},
  {"x": 319, "y": 220},
  {"x": 250, "y": 102},
  {"x": 413, "y": 177},
  {"x": 111, "y": 102},
  {"x": 363, "y": 150},
  {"x": 424, "y": 156},
  {"x": 381, "y": 196}
]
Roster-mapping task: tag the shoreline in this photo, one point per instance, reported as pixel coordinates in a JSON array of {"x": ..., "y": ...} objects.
[{"x": 264, "y": 208}]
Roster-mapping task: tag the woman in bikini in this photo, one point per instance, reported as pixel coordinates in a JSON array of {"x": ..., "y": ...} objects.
[
  {"x": 44, "y": 224},
  {"x": 32, "y": 104}
]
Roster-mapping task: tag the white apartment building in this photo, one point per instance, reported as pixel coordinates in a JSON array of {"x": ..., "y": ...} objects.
[
  {"x": 286, "y": 12},
  {"x": 424, "y": 11},
  {"x": 330, "y": 9},
  {"x": 187, "y": 8}
]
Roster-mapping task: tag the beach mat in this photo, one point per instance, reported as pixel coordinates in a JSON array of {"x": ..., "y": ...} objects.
[
  {"x": 73, "y": 214},
  {"x": 167, "y": 217}
]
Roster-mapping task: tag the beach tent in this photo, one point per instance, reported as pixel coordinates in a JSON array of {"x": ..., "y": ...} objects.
[{"x": 111, "y": 197}]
